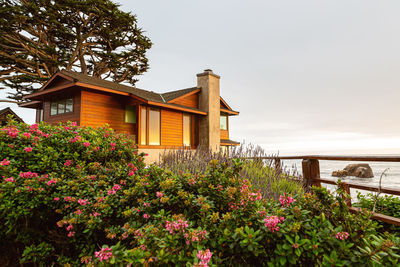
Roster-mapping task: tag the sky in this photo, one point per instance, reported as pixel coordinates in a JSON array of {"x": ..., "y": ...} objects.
[{"x": 307, "y": 76}]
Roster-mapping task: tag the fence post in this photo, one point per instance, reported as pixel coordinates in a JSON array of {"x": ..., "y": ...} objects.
[
  {"x": 346, "y": 188},
  {"x": 311, "y": 171},
  {"x": 278, "y": 167}
]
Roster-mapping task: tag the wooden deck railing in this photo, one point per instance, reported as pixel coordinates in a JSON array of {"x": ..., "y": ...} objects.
[{"x": 311, "y": 176}]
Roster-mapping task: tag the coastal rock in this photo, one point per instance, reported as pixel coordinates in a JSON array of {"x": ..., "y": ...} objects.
[
  {"x": 359, "y": 170},
  {"x": 340, "y": 173}
]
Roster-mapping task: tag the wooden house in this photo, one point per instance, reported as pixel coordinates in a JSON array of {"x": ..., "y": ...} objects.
[
  {"x": 157, "y": 121},
  {"x": 4, "y": 116}
]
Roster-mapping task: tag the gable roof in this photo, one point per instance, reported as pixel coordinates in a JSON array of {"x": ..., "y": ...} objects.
[
  {"x": 169, "y": 96},
  {"x": 73, "y": 78},
  {"x": 8, "y": 110}
]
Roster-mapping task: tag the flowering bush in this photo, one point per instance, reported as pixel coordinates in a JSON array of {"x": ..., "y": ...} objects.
[{"x": 84, "y": 196}]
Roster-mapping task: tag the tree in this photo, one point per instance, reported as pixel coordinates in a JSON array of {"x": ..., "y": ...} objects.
[{"x": 95, "y": 37}]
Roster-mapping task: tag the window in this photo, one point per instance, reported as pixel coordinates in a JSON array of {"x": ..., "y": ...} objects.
[
  {"x": 61, "y": 106},
  {"x": 154, "y": 127},
  {"x": 143, "y": 125},
  {"x": 223, "y": 122},
  {"x": 187, "y": 130},
  {"x": 40, "y": 110},
  {"x": 130, "y": 114}
]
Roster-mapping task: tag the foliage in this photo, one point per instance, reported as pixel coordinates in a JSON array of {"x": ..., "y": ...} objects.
[
  {"x": 387, "y": 205},
  {"x": 95, "y": 37},
  {"x": 271, "y": 180},
  {"x": 71, "y": 195}
]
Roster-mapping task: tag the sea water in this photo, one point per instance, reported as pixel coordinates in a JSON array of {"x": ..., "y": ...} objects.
[{"x": 390, "y": 172}]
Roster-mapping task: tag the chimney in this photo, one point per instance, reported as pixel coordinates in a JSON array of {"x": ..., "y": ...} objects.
[{"x": 209, "y": 101}]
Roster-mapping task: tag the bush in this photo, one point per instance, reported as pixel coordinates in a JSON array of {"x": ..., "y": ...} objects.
[
  {"x": 387, "y": 205},
  {"x": 265, "y": 176},
  {"x": 75, "y": 196}
]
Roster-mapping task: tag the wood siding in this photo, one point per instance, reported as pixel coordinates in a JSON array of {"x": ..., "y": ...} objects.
[
  {"x": 101, "y": 108},
  {"x": 63, "y": 118},
  {"x": 171, "y": 128},
  {"x": 224, "y": 134},
  {"x": 188, "y": 101}
]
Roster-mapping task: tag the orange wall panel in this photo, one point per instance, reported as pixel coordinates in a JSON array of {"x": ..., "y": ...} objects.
[
  {"x": 171, "y": 128},
  {"x": 101, "y": 108},
  {"x": 188, "y": 101}
]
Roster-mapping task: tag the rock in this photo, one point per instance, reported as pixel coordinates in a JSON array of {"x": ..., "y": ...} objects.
[
  {"x": 359, "y": 170},
  {"x": 340, "y": 173}
]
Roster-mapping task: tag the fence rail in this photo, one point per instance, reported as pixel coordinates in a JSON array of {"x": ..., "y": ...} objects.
[{"x": 311, "y": 176}]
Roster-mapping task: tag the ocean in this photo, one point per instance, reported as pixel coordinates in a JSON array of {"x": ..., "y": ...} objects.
[{"x": 391, "y": 179}]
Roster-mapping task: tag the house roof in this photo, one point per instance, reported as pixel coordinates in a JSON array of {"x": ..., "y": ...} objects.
[
  {"x": 228, "y": 142},
  {"x": 8, "y": 110},
  {"x": 80, "y": 79}
]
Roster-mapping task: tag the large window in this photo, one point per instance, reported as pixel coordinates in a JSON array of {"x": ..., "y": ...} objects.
[
  {"x": 143, "y": 125},
  {"x": 154, "y": 127},
  {"x": 130, "y": 114},
  {"x": 223, "y": 122},
  {"x": 61, "y": 106},
  {"x": 187, "y": 130}
]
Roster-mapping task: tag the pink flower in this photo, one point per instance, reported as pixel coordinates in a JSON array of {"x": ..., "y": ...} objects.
[
  {"x": 342, "y": 235},
  {"x": 27, "y": 135},
  {"x": 28, "y": 149},
  {"x": 176, "y": 226},
  {"x": 11, "y": 180},
  {"x": 112, "y": 146},
  {"x": 4, "y": 162},
  {"x": 146, "y": 204},
  {"x": 286, "y": 200},
  {"x": 104, "y": 254},
  {"x": 204, "y": 256},
  {"x": 83, "y": 202},
  {"x": 74, "y": 123},
  {"x": 86, "y": 144},
  {"x": 56, "y": 199},
  {"x": 75, "y": 139},
  {"x": 146, "y": 216},
  {"x": 159, "y": 194},
  {"x": 28, "y": 175},
  {"x": 95, "y": 214},
  {"x": 52, "y": 181},
  {"x": 116, "y": 187},
  {"x": 67, "y": 199},
  {"x": 78, "y": 212},
  {"x": 68, "y": 162},
  {"x": 71, "y": 234},
  {"x": 272, "y": 222}
]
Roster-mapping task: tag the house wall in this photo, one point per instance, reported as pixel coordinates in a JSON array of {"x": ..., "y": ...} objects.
[
  {"x": 63, "y": 118},
  {"x": 98, "y": 109},
  {"x": 225, "y": 133},
  {"x": 189, "y": 101},
  {"x": 171, "y": 128}
]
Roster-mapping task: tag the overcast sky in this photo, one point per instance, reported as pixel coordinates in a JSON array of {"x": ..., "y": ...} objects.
[{"x": 307, "y": 76}]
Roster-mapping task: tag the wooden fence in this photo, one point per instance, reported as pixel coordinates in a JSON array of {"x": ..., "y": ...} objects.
[{"x": 311, "y": 176}]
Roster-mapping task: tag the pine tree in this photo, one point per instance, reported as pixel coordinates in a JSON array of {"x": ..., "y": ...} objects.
[{"x": 94, "y": 37}]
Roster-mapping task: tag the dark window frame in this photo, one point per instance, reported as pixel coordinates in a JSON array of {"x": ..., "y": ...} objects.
[{"x": 59, "y": 101}]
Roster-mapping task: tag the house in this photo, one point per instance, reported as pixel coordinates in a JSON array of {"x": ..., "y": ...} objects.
[
  {"x": 182, "y": 118},
  {"x": 5, "y": 112}
]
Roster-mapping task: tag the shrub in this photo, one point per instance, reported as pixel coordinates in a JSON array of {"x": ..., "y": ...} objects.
[
  {"x": 84, "y": 196},
  {"x": 387, "y": 205},
  {"x": 271, "y": 180}
]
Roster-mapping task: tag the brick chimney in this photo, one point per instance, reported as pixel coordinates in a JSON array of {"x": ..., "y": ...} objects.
[{"x": 209, "y": 101}]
